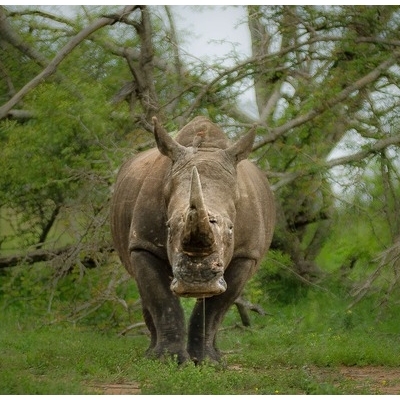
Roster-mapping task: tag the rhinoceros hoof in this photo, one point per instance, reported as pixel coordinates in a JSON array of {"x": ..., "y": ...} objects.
[
  {"x": 209, "y": 355},
  {"x": 163, "y": 354}
]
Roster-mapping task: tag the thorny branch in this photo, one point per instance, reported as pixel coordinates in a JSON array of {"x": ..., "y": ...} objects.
[
  {"x": 51, "y": 67},
  {"x": 275, "y": 133},
  {"x": 390, "y": 258},
  {"x": 373, "y": 148}
]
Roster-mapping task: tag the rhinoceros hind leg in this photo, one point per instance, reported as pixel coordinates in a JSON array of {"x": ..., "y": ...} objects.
[
  {"x": 162, "y": 310},
  {"x": 208, "y": 313}
]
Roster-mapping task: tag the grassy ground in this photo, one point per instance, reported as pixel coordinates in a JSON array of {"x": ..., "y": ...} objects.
[{"x": 298, "y": 349}]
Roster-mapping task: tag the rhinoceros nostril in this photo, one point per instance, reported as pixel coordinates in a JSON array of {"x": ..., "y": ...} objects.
[{"x": 216, "y": 266}]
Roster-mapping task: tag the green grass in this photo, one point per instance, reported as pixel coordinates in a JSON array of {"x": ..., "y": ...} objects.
[
  {"x": 274, "y": 356},
  {"x": 58, "y": 359}
]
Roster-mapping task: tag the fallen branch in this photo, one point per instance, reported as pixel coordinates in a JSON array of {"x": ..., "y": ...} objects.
[
  {"x": 20, "y": 115},
  {"x": 243, "y": 305},
  {"x": 131, "y": 327}
]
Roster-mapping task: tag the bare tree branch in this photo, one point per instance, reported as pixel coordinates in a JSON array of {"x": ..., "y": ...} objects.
[
  {"x": 177, "y": 61},
  {"x": 42, "y": 14},
  {"x": 8, "y": 34},
  {"x": 372, "y": 148},
  {"x": 243, "y": 305},
  {"x": 148, "y": 95},
  {"x": 20, "y": 115},
  {"x": 376, "y": 147}
]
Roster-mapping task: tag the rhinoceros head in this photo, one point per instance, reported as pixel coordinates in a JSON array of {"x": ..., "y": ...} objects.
[{"x": 200, "y": 197}]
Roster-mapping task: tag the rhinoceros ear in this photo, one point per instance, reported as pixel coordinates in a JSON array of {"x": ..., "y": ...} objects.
[
  {"x": 165, "y": 143},
  {"x": 242, "y": 148}
]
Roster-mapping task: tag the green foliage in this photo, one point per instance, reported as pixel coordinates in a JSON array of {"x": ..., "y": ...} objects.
[
  {"x": 62, "y": 160},
  {"x": 354, "y": 247},
  {"x": 360, "y": 230},
  {"x": 104, "y": 298},
  {"x": 275, "y": 282}
]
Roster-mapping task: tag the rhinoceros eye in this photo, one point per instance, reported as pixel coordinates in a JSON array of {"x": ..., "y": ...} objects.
[{"x": 212, "y": 219}]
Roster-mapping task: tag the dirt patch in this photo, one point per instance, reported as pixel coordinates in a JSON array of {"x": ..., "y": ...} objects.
[
  {"x": 122, "y": 388},
  {"x": 370, "y": 380},
  {"x": 367, "y": 380},
  {"x": 381, "y": 380}
]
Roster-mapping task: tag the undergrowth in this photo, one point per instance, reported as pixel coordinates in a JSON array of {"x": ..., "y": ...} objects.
[
  {"x": 270, "y": 357},
  {"x": 87, "y": 330}
]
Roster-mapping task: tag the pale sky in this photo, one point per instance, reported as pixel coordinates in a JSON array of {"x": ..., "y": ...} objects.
[{"x": 214, "y": 31}]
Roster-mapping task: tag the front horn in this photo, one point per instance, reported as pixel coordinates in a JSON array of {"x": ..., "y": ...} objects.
[{"x": 198, "y": 237}]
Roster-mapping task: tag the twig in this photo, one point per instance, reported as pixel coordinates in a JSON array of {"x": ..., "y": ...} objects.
[{"x": 131, "y": 327}]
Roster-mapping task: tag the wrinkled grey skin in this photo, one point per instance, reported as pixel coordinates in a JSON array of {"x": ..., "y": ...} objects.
[{"x": 191, "y": 218}]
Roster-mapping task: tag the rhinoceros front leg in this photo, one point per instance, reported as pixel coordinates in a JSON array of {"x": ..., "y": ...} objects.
[
  {"x": 162, "y": 310},
  {"x": 208, "y": 314}
]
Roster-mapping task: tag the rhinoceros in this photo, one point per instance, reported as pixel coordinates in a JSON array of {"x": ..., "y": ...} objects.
[{"x": 191, "y": 217}]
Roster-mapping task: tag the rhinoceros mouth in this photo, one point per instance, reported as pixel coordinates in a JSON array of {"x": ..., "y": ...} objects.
[
  {"x": 198, "y": 276},
  {"x": 198, "y": 289}
]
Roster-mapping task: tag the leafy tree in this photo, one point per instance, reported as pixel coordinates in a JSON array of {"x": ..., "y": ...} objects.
[{"x": 322, "y": 69}]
